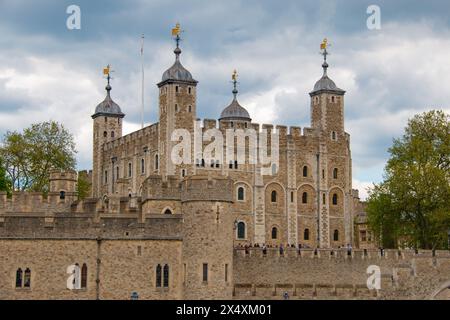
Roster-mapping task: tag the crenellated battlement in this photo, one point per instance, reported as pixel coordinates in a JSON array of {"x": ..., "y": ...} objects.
[
  {"x": 284, "y": 132},
  {"x": 341, "y": 254},
  {"x": 337, "y": 274},
  {"x": 132, "y": 137}
]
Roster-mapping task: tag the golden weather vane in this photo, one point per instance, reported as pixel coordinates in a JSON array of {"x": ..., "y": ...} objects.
[
  {"x": 177, "y": 30},
  {"x": 234, "y": 75},
  {"x": 323, "y": 47},
  {"x": 107, "y": 72},
  {"x": 176, "y": 33}
]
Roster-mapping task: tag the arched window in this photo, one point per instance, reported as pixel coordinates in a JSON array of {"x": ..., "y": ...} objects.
[
  {"x": 183, "y": 173},
  {"x": 167, "y": 211},
  {"x": 62, "y": 195},
  {"x": 335, "y": 173},
  {"x": 241, "y": 230},
  {"x": 190, "y": 108},
  {"x": 105, "y": 134},
  {"x": 117, "y": 172},
  {"x": 27, "y": 279},
  {"x": 333, "y": 135},
  {"x": 274, "y": 233},
  {"x": 241, "y": 193},
  {"x": 336, "y": 235},
  {"x": 84, "y": 276},
  {"x": 274, "y": 169},
  {"x": 323, "y": 199},
  {"x": 335, "y": 199},
  {"x": 305, "y": 171},
  {"x": 158, "y": 276},
  {"x": 19, "y": 278},
  {"x": 176, "y": 108},
  {"x": 305, "y": 197},
  {"x": 142, "y": 166},
  {"x": 166, "y": 276},
  {"x": 130, "y": 171},
  {"x": 106, "y": 176},
  {"x": 306, "y": 234},
  {"x": 274, "y": 196},
  {"x": 156, "y": 162},
  {"x": 112, "y": 134}
]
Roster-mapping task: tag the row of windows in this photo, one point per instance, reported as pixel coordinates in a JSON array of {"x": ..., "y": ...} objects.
[
  {"x": 130, "y": 169},
  {"x": 335, "y": 172},
  {"x": 177, "y": 109},
  {"x": 23, "y": 278},
  {"x": 241, "y": 196},
  {"x": 242, "y": 232},
  {"x": 215, "y": 164},
  {"x": 273, "y": 197},
  {"x": 177, "y": 90}
]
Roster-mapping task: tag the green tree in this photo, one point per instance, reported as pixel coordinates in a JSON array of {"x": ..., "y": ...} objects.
[
  {"x": 5, "y": 184},
  {"x": 83, "y": 185},
  {"x": 412, "y": 204},
  {"x": 29, "y": 156}
]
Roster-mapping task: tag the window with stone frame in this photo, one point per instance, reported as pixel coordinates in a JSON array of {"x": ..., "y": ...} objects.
[
  {"x": 19, "y": 279},
  {"x": 241, "y": 194},
  {"x": 166, "y": 276},
  {"x": 241, "y": 232},
  {"x": 336, "y": 235},
  {"x": 306, "y": 234},
  {"x": 274, "y": 233},
  {"x": 305, "y": 197},
  {"x": 273, "y": 196},
  {"x": 158, "y": 276}
]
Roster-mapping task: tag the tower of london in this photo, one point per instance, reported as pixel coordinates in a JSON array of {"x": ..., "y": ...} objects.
[{"x": 217, "y": 226}]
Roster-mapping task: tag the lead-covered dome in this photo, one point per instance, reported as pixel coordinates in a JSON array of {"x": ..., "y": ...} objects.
[
  {"x": 325, "y": 84},
  {"x": 235, "y": 111},
  {"x": 108, "y": 107},
  {"x": 177, "y": 71}
]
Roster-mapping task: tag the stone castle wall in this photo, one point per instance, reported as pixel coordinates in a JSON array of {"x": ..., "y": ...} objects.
[{"x": 336, "y": 275}]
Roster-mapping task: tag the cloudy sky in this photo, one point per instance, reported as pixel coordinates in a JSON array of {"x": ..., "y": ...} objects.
[{"x": 50, "y": 72}]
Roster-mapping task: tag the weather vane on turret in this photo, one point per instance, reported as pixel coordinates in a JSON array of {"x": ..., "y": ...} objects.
[
  {"x": 234, "y": 81},
  {"x": 107, "y": 72},
  {"x": 176, "y": 33},
  {"x": 323, "y": 47}
]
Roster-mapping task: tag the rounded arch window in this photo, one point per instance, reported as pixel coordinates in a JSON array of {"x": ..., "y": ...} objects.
[
  {"x": 305, "y": 197},
  {"x": 336, "y": 235},
  {"x": 335, "y": 199},
  {"x": 105, "y": 134},
  {"x": 306, "y": 234},
  {"x": 335, "y": 173},
  {"x": 241, "y": 230},
  {"x": 274, "y": 233},
  {"x": 305, "y": 171},
  {"x": 273, "y": 196},
  {"x": 241, "y": 194}
]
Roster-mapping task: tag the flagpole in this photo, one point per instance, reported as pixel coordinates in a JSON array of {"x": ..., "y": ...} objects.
[{"x": 142, "y": 91}]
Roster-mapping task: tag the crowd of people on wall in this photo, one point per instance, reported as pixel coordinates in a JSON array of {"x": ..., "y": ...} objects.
[{"x": 282, "y": 247}]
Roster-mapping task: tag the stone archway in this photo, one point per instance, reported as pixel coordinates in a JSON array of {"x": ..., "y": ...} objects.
[{"x": 442, "y": 293}]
